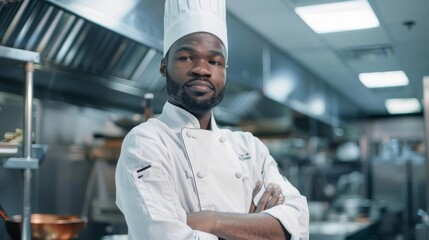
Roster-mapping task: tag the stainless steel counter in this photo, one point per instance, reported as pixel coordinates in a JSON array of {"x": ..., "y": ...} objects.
[{"x": 337, "y": 230}]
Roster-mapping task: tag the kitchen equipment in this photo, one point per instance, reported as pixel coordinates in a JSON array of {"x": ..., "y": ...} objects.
[
  {"x": 348, "y": 152},
  {"x": 115, "y": 237},
  {"x": 8, "y": 149},
  {"x": 3, "y": 214},
  {"x": 47, "y": 226},
  {"x": 318, "y": 210},
  {"x": 422, "y": 228},
  {"x": 127, "y": 123},
  {"x": 9, "y": 155},
  {"x": 99, "y": 202},
  {"x": 353, "y": 207},
  {"x": 13, "y": 137},
  {"x": 322, "y": 230}
]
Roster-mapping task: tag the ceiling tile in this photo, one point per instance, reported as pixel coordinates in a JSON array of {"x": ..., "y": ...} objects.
[
  {"x": 350, "y": 39},
  {"x": 397, "y": 11},
  {"x": 374, "y": 63},
  {"x": 416, "y": 55},
  {"x": 419, "y": 33},
  {"x": 251, "y": 7},
  {"x": 331, "y": 69},
  {"x": 414, "y": 60},
  {"x": 277, "y": 23},
  {"x": 394, "y": 13}
]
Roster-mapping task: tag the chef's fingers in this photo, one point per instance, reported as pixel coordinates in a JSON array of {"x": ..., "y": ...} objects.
[
  {"x": 281, "y": 200},
  {"x": 275, "y": 194},
  {"x": 257, "y": 188},
  {"x": 252, "y": 207},
  {"x": 262, "y": 204}
]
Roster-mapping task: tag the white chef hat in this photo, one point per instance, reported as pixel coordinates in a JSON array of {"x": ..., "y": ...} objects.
[{"x": 183, "y": 17}]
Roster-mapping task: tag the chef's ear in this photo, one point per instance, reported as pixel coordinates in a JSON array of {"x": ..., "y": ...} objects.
[{"x": 163, "y": 67}]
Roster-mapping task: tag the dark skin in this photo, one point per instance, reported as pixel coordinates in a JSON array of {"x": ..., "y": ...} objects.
[{"x": 197, "y": 63}]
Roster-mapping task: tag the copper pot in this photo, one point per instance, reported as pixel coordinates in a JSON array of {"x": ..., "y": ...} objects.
[{"x": 47, "y": 226}]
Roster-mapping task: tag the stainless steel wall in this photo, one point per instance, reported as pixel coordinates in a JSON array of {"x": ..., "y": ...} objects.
[
  {"x": 394, "y": 166},
  {"x": 60, "y": 183}
]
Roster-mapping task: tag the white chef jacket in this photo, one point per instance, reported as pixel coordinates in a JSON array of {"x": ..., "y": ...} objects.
[{"x": 162, "y": 174}]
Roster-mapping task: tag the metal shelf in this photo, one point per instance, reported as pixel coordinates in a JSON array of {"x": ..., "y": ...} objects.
[
  {"x": 26, "y": 162},
  {"x": 10, "y": 156},
  {"x": 8, "y": 150}
]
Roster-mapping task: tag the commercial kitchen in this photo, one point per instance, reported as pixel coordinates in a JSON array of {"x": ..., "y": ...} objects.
[{"x": 341, "y": 103}]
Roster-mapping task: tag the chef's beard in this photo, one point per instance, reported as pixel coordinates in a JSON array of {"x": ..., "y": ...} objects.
[{"x": 190, "y": 103}]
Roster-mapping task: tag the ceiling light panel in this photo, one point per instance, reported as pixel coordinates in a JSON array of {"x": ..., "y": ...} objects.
[
  {"x": 384, "y": 79},
  {"x": 403, "y": 105},
  {"x": 339, "y": 16}
]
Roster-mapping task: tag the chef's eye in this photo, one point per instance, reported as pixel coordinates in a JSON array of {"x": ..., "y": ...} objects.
[
  {"x": 185, "y": 58},
  {"x": 216, "y": 63}
]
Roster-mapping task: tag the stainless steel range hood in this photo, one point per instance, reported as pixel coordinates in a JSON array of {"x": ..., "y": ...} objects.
[
  {"x": 80, "y": 60},
  {"x": 107, "y": 55},
  {"x": 140, "y": 21}
]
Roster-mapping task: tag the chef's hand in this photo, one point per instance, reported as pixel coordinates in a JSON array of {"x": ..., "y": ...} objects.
[{"x": 270, "y": 198}]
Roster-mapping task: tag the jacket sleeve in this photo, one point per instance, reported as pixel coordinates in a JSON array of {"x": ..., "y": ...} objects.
[
  {"x": 145, "y": 192},
  {"x": 293, "y": 214}
]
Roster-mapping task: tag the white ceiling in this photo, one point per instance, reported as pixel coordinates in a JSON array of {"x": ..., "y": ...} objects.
[{"x": 329, "y": 55}]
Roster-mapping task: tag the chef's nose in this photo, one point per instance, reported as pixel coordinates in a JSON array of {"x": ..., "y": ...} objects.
[{"x": 201, "y": 68}]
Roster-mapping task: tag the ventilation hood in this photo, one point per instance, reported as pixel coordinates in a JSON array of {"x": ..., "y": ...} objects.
[{"x": 107, "y": 54}]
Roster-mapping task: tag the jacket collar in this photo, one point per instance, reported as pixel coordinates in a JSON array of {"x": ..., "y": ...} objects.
[{"x": 176, "y": 117}]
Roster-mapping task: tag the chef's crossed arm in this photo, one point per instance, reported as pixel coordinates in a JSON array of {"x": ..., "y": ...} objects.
[
  {"x": 280, "y": 213},
  {"x": 255, "y": 225}
]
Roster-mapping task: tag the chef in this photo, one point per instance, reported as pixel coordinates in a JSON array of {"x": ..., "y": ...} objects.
[{"x": 180, "y": 176}]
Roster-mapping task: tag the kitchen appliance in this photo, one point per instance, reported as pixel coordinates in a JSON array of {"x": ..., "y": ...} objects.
[
  {"x": 422, "y": 228},
  {"x": 47, "y": 226},
  {"x": 398, "y": 179},
  {"x": 115, "y": 237},
  {"x": 352, "y": 207}
]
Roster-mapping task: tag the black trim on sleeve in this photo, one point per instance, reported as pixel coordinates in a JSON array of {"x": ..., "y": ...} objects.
[{"x": 142, "y": 169}]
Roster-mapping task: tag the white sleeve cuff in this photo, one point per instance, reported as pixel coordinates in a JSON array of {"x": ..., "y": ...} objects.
[
  {"x": 293, "y": 221},
  {"x": 204, "y": 236}
]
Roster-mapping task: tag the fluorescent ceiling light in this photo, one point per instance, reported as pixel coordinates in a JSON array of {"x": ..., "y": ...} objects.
[
  {"x": 383, "y": 79},
  {"x": 317, "y": 106},
  {"x": 402, "y": 105},
  {"x": 339, "y": 16},
  {"x": 279, "y": 88}
]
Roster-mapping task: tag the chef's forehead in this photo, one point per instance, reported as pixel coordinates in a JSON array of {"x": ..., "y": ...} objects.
[{"x": 188, "y": 42}]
